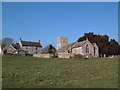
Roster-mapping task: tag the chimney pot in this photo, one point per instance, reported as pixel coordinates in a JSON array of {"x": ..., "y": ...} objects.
[{"x": 20, "y": 39}]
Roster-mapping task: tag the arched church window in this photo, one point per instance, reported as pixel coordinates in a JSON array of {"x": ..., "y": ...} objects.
[
  {"x": 87, "y": 49},
  {"x": 68, "y": 51}
]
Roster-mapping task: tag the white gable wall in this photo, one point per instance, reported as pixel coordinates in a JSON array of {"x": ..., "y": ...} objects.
[
  {"x": 90, "y": 48},
  {"x": 82, "y": 50},
  {"x": 10, "y": 48},
  {"x": 20, "y": 44},
  {"x": 0, "y": 49},
  {"x": 1, "y": 53},
  {"x": 96, "y": 51},
  {"x": 77, "y": 50}
]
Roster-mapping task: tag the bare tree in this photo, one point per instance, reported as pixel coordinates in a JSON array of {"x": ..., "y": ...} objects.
[{"x": 6, "y": 41}]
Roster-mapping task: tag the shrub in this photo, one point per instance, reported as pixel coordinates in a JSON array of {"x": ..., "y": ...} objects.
[{"x": 79, "y": 56}]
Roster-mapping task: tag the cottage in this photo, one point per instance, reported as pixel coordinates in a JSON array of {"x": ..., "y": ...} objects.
[
  {"x": 31, "y": 47},
  {"x": 12, "y": 48},
  {"x": 24, "y": 47}
]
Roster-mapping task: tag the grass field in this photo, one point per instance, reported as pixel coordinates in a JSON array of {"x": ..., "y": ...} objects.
[{"x": 30, "y": 72}]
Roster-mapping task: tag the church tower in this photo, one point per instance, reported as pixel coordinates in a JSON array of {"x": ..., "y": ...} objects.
[{"x": 61, "y": 41}]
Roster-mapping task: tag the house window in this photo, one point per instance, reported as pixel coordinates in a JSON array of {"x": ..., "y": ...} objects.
[
  {"x": 36, "y": 48},
  {"x": 87, "y": 49}
]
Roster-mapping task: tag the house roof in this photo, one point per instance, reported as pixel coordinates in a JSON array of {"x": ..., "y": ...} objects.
[
  {"x": 16, "y": 46},
  {"x": 28, "y": 43}
]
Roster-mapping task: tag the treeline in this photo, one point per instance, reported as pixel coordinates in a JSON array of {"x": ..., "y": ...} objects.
[{"x": 106, "y": 46}]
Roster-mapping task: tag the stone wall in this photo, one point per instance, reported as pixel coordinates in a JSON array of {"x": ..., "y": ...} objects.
[
  {"x": 70, "y": 55},
  {"x": 43, "y": 55},
  {"x": 65, "y": 55}
]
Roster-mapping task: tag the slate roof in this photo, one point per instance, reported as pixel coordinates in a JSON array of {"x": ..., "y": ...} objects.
[
  {"x": 64, "y": 48},
  {"x": 16, "y": 46},
  {"x": 28, "y": 43},
  {"x": 79, "y": 44}
]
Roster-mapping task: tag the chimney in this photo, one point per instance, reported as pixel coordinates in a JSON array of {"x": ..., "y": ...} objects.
[
  {"x": 20, "y": 39},
  {"x": 39, "y": 41},
  {"x": 87, "y": 38}
]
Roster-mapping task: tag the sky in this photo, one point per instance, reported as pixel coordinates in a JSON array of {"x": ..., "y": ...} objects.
[{"x": 45, "y": 21}]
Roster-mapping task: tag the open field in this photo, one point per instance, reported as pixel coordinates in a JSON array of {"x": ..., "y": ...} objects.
[{"x": 31, "y": 72}]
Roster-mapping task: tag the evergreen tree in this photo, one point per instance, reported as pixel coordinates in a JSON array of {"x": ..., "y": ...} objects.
[{"x": 105, "y": 46}]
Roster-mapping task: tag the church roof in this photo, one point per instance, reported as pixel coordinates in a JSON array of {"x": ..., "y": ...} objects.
[
  {"x": 28, "y": 43},
  {"x": 64, "y": 48},
  {"x": 79, "y": 44}
]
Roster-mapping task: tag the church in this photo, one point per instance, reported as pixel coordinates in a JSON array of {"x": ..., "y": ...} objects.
[{"x": 85, "y": 48}]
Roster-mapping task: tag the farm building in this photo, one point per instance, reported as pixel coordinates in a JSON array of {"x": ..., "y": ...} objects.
[
  {"x": 31, "y": 47},
  {"x": 24, "y": 47}
]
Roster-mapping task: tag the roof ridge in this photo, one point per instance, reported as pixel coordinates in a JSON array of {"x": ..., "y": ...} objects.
[
  {"x": 69, "y": 44},
  {"x": 31, "y": 41}
]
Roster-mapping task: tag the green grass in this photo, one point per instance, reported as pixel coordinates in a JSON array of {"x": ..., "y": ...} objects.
[{"x": 31, "y": 72}]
